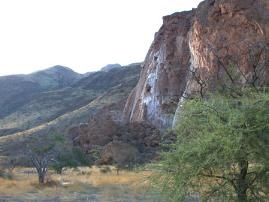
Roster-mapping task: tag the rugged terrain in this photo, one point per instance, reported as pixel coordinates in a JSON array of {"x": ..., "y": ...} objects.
[
  {"x": 39, "y": 111},
  {"x": 222, "y": 42},
  {"x": 27, "y": 100}
]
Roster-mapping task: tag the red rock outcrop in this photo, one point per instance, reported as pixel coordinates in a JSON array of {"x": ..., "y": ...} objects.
[
  {"x": 106, "y": 132},
  {"x": 98, "y": 131},
  {"x": 231, "y": 39},
  {"x": 163, "y": 77},
  {"x": 220, "y": 42}
]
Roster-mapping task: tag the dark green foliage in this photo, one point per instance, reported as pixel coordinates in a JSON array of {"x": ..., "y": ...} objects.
[
  {"x": 221, "y": 151},
  {"x": 71, "y": 157},
  {"x": 5, "y": 175},
  {"x": 105, "y": 169},
  {"x": 95, "y": 152},
  {"x": 80, "y": 156}
]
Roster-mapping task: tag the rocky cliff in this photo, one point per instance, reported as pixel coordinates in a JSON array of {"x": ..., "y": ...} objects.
[{"x": 221, "y": 42}]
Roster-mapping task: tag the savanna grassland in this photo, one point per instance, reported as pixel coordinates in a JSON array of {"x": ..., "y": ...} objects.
[{"x": 81, "y": 184}]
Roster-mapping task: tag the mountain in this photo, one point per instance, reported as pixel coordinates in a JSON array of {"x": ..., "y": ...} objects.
[
  {"x": 19, "y": 92},
  {"x": 61, "y": 109},
  {"x": 220, "y": 43},
  {"x": 55, "y": 77},
  {"x": 110, "y": 66},
  {"x": 31, "y": 100}
]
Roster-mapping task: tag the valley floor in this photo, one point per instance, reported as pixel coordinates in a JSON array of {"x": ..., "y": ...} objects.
[{"x": 83, "y": 184}]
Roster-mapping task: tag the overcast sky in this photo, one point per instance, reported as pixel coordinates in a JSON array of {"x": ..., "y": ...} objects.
[{"x": 84, "y": 35}]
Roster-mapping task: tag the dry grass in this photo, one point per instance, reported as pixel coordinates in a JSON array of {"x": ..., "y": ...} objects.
[
  {"x": 122, "y": 178},
  {"x": 73, "y": 183}
]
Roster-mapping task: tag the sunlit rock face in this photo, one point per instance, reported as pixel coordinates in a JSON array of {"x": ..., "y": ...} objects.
[
  {"x": 221, "y": 41},
  {"x": 230, "y": 38},
  {"x": 163, "y": 77}
]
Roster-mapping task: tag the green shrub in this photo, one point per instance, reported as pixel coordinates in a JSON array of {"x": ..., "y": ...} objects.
[
  {"x": 221, "y": 152},
  {"x": 6, "y": 175},
  {"x": 105, "y": 169}
]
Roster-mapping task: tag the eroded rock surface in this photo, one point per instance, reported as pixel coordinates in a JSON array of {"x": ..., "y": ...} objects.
[
  {"x": 229, "y": 42},
  {"x": 163, "y": 77},
  {"x": 221, "y": 42}
]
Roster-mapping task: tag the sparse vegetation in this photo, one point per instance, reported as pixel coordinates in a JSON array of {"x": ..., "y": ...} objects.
[
  {"x": 70, "y": 158},
  {"x": 54, "y": 151},
  {"x": 81, "y": 184}
]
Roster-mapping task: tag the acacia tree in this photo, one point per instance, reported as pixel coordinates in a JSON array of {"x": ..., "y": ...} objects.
[
  {"x": 40, "y": 159},
  {"x": 221, "y": 151},
  {"x": 43, "y": 151},
  {"x": 53, "y": 150}
]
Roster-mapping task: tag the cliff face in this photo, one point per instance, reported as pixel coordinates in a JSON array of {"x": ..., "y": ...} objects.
[
  {"x": 231, "y": 39},
  {"x": 163, "y": 77},
  {"x": 221, "y": 42}
]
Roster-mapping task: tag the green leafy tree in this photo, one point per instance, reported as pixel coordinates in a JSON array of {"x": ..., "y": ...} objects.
[
  {"x": 71, "y": 157},
  {"x": 221, "y": 152},
  {"x": 53, "y": 151}
]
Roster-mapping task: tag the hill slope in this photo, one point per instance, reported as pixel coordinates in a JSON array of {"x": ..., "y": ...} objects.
[{"x": 32, "y": 100}]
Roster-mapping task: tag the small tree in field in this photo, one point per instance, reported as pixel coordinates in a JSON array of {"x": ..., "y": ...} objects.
[
  {"x": 43, "y": 151},
  {"x": 53, "y": 151},
  {"x": 40, "y": 159},
  {"x": 222, "y": 150}
]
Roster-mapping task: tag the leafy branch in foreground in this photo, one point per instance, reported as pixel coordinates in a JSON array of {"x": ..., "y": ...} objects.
[{"x": 221, "y": 152}]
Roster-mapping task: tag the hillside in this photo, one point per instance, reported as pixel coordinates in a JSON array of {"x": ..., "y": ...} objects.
[
  {"x": 194, "y": 114},
  {"x": 29, "y": 102},
  {"x": 21, "y": 94},
  {"x": 180, "y": 64}
]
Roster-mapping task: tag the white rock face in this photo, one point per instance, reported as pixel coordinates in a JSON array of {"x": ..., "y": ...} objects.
[{"x": 163, "y": 78}]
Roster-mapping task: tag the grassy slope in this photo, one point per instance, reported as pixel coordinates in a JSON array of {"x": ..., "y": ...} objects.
[
  {"x": 47, "y": 106},
  {"x": 11, "y": 145},
  {"x": 21, "y": 95}
]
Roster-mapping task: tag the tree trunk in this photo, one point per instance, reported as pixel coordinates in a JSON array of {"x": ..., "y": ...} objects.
[
  {"x": 41, "y": 178},
  {"x": 41, "y": 175},
  {"x": 242, "y": 182},
  {"x": 242, "y": 196},
  {"x": 117, "y": 170}
]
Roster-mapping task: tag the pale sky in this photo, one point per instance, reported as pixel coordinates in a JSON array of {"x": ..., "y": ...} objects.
[{"x": 84, "y": 35}]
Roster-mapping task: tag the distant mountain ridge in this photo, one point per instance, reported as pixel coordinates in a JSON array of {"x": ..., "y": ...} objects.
[
  {"x": 110, "y": 67},
  {"x": 38, "y": 98},
  {"x": 55, "y": 77},
  {"x": 17, "y": 90}
]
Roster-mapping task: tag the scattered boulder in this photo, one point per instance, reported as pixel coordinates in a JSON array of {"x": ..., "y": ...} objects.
[
  {"x": 104, "y": 130},
  {"x": 99, "y": 131},
  {"x": 120, "y": 153}
]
